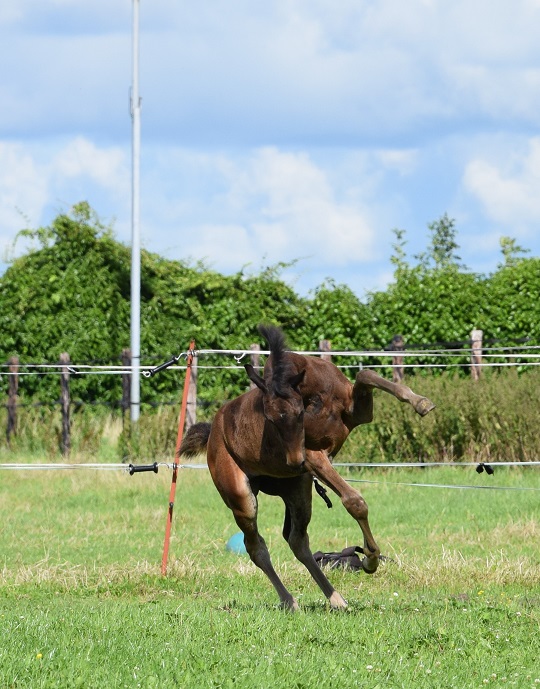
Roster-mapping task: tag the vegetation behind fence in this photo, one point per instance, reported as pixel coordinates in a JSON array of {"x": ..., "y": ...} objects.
[
  {"x": 70, "y": 292},
  {"x": 493, "y": 419}
]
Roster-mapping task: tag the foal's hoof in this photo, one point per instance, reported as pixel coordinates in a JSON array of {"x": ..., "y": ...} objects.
[
  {"x": 337, "y": 602},
  {"x": 290, "y": 605},
  {"x": 370, "y": 564},
  {"x": 423, "y": 406}
]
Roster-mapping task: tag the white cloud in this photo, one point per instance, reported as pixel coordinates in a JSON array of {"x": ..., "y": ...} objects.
[
  {"x": 107, "y": 167},
  {"x": 290, "y": 211},
  {"x": 33, "y": 177},
  {"x": 403, "y": 161},
  {"x": 23, "y": 190},
  {"x": 224, "y": 247},
  {"x": 507, "y": 187},
  {"x": 10, "y": 13},
  {"x": 64, "y": 15},
  {"x": 276, "y": 130},
  {"x": 291, "y": 72}
]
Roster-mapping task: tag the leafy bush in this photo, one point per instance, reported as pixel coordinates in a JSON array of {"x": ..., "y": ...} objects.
[
  {"x": 71, "y": 292},
  {"x": 493, "y": 419}
]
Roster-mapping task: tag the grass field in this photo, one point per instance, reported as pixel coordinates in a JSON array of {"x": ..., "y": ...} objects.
[{"x": 83, "y": 604}]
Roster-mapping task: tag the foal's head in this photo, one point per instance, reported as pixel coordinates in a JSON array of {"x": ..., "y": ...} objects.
[{"x": 283, "y": 405}]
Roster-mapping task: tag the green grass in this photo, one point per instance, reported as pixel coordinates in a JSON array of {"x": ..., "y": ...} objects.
[{"x": 82, "y": 601}]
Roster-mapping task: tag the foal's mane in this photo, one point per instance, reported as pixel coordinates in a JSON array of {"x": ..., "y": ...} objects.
[{"x": 282, "y": 368}]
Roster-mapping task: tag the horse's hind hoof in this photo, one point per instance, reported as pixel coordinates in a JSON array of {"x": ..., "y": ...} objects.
[
  {"x": 369, "y": 565},
  {"x": 423, "y": 406}
]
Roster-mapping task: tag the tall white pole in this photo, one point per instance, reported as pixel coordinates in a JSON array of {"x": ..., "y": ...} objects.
[{"x": 135, "y": 226}]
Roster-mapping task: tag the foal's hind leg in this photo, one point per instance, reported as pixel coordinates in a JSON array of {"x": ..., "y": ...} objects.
[
  {"x": 318, "y": 464},
  {"x": 234, "y": 487},
  {"x": 366, "y": 380},
  {"x": 297, "y": 496}
]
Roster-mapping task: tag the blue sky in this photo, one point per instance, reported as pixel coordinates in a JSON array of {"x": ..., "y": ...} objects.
[{"x": 296, "y": 129}]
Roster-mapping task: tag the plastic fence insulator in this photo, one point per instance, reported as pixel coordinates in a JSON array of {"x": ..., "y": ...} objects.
[
  {"x": 161, "y": 367},
  {"x": 133, "y": 469}
]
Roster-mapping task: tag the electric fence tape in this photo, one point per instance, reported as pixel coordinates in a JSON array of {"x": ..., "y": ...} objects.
[{"x": 134, "y": 468}]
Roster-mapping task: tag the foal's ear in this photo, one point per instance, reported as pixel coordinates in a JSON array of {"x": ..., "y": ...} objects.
[
  {"x": 295, "y": 381},
  {"x": 255, "y": 378}
]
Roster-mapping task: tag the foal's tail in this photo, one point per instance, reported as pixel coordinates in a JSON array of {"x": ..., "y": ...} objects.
[
  {"x": 195, "y": 440},
  {"x": 274, "y": 337}
]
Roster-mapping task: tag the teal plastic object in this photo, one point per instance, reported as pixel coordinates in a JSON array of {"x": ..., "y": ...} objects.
[{"x": 235, "y": 544}]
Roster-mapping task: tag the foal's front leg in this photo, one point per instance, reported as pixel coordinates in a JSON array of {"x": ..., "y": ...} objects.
[
  {"x": 297, "y": 495},
  {"x": 235, "y": 489},
  {"x": 258, "y": 552},
  {"x": 318, "y": 464}
]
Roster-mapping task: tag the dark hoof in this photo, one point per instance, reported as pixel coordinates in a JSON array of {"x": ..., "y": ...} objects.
[
  {"x": 424, "y": 406},
  {"x": 369, "y": 565},
  {"x": 289, "y": 605}
]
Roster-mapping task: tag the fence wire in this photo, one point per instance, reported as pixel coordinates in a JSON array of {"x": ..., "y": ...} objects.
[
  {"x": 531, "y": 354},
  {"x": 127, "y": 468}
]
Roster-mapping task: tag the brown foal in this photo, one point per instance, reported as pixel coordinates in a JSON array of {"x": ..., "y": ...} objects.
[{"x": 278, "y": 436}]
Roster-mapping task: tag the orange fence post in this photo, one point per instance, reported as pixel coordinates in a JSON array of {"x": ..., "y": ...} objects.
[{"x": 181, "y": 424}]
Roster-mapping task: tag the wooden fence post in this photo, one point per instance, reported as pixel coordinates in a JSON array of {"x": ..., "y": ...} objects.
[
  {"x": 325, "y": 346},
  {"x": 65, "y": 404},
  {"x": 398, "y": 372},
  {"x": 191, "y": 408},
  {"x": 255, "y": 358},
  {"x": 13, "y": 391},
  {"x": 476, "y": 353},
  {"x": 126, "y": 382}
]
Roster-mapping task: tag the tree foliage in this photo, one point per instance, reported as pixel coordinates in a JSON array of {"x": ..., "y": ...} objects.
[
  {"x": 513, "y": 308},
  {"x": 438, "y": 300},
  {"x": 511, "y": 251},
  {"x": 71, "y": 292},
  {"x": 443, "y": 244}
]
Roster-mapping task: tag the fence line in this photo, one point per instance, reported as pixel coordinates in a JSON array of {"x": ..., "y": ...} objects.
[
  {"x": 479, "y": 358},
  {"x": 487, "y": 352},
  {"x": 442, "y": 485},
  {"x": 13, "y": 389},
  {"x": 109, "y": 466},
  {"x": 131, "y": 469},
  {"x": 76, "y": 370},
  {"x": 65, "y": 444}
]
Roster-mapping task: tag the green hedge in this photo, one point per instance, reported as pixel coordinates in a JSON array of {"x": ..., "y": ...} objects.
[
  {"x": 70, "y": 292},
  {"x": 494, "y": 419}
]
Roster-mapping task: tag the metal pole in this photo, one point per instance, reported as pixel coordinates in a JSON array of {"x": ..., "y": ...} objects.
[{"x": 135, "y": 229}]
